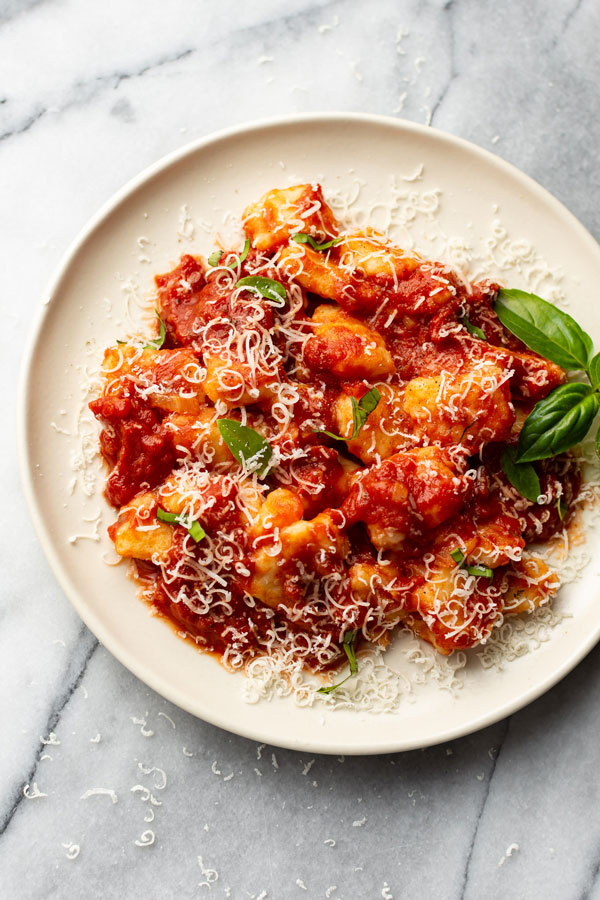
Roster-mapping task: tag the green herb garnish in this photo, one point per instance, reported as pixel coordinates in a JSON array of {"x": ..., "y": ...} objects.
[
  {"x": 194, "y": 528},
  {"x": 349, "y": 649},
  {"x": 215, "y": 258},
  {"x": 458, "y": 556},
  {"x": 473, "y": 329},
  {"x": 558, "y": 422},
  {"x": 266, "y": 287},
  {"x": 249, "y": 447},
  {"x": 303, "y": 238},
  {"x": 361, "y": 410},
  {"x": 564, "y": 417},
  {"x": 521, "y": 475},
  {"x": 562, "y": 508},
  {"x": 479, "y": 571},
  {"x": 544, "y": 328},
  {"x": 157, "y": 343}
]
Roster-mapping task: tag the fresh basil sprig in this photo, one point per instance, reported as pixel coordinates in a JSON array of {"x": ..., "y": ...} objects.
[
  {"x": 303, "y": 238},
  {"x": 194, "y": 528},
  {"x": 544, "y": 328},
  {"x": 349, "y": 649},
  {"x": 478, "y": 571},
  {"x": 249, "y": 447},
  {"x": 521, "y": 475},
  {"x": 564, "y": 417},
  {"x": 157, "y": 343},
  {"x": 558, "y": 422},
  {"x": 266, "y": 287},
  {"x": 361, "y": 410}
]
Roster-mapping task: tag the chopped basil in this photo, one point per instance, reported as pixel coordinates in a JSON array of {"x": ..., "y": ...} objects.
[
  {"x": 266, "y": 287},
  {"x": 121, "y": 342},
  {"x": 361, "y": 410},
  {"x": 480, "y": 571},
  {"x": 349, "y": 649},
  {"x": 157, "y": 343},
  {"x": 473, "y": 329},
  {"x": 248, "y": 446},
  {"x": 522, "y": 476},
  {"x": 464, "y": 431},
  {"x": 245, "y": 251},
  {"x": 194, "y": 528},
  {"x": 303, "y": 238},
  {"x": 459, "y": 558},
  {"x": 562, "y": 508},
  {"x": 215, "y": 258}
]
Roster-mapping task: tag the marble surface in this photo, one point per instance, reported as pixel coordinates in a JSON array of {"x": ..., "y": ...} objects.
[{"x": 90, "y": 93}]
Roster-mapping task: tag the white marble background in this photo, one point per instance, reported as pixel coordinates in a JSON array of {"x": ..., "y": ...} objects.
[{"x": 90, "y": 93}]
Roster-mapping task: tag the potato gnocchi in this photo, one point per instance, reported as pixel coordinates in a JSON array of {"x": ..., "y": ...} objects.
[{"x": 307, "y": 456}]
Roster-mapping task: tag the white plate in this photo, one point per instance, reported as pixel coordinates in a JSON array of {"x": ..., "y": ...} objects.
[{"x": 223, "y": 173}]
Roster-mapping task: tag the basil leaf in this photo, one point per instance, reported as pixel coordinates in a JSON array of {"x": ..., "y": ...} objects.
[
  {"x": 598, "y": 443},
  {"x": 248, "y": 446},
  {"x": 544, "y": 328},
  {"x": 465, "y": 429},
  {"x": 522, "y": 476},
  {"x": 266, "y": 287},
  {"x": 245, "y": 251},
  {"x": 362, "y": 409},
  {"x": 557, "y": 422},
  {"x": 157, "y": 343},
  {"x": 164, "y": 516},
  {"x": 330, "y": 434},
  {"x": 480, "y": 571},
  {"x": 594, "y": 371},
  {"x": 459, "y": 558},
  {"x": 473, "y": 329},
  {"x": 562, "y": 508},
  {"x": 349, "y": 649},
  {"x": 303, "y": 238},
  {"x": 197, "y": 531},
  {"x": 215, "y": 258},
  {"x": 194, "y": 528}
]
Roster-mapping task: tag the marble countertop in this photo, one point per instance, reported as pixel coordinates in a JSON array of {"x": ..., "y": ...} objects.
[{"x": 90, "y": 93}]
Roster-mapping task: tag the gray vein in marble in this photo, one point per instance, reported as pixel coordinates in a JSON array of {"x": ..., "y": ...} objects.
[
  {"x": 86, "y": 91},
  {"x": 86, "y": 647},
  {"x": 10, "y": 11},
  {"x": 505, "y": 729},
  {"x": 571, "y": 15},
  {"x": 447, "y": 10}
]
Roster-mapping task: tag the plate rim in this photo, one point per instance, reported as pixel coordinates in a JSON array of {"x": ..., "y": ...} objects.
[{"x": 105, "y": 636}]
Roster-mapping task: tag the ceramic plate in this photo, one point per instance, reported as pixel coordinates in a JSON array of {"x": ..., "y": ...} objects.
[{"x": 450, "y": 199}]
